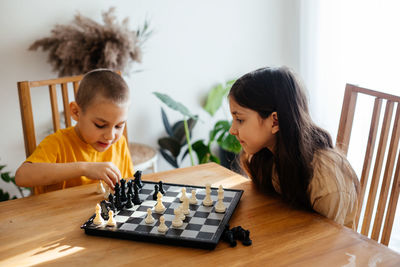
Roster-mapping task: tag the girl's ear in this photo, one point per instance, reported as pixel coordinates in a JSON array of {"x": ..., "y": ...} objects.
[
  {"x": 275, "y": 122},
  {"x": 75, "y": 110}
]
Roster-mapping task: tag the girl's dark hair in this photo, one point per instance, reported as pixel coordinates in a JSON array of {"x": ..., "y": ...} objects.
[{"x": 278, "y": 90}]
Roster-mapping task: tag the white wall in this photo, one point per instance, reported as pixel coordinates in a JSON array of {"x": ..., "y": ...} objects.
[{"x": 195, "y": 45}]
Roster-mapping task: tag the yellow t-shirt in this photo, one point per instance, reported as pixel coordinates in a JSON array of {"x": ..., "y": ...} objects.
[{"x": 65, "y": 146}]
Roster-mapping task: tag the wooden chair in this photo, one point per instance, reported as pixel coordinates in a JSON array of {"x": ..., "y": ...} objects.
[
  {"x": 386, "y": 207},
  {"x": 142, "y": 154}
]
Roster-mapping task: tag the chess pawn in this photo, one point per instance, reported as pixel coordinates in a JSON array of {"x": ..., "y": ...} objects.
[
  {"x": 111, "y": 221},
  {"x": 193, "y": 199},
  {"x": 183, "y": 194},
  {"x": 159, "y": 208},
  {"x": 177, "y": 222},
  {"x": 162, "y": 228},
  {"x": 100, "y": 188},
  {"x": 207, "y": 201},
  {"x": 182, "y": 215},
  {"x": 220, "y": 207},
  {"x": 185, "y": 206},
  {"x": 149, "y": 219},
  {"x": 98, "y": 220}
]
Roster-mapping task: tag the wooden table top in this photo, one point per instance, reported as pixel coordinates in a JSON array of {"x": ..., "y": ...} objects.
[{"x": 45, "y": 230}]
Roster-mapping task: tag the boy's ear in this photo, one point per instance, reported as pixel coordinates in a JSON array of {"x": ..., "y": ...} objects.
[
  {"x": 275, "y": 122},
  {"x": 75, "y": 110}
]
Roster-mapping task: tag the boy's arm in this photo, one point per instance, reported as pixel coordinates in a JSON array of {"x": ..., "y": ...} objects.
[{"x": 34, "y": 174}]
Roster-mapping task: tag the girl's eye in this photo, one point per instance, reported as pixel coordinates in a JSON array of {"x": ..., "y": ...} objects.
[
  {"x": 239, "y": 120},
  {"x": 119, "y": 126},
  {"x": 99, "y": 126}
]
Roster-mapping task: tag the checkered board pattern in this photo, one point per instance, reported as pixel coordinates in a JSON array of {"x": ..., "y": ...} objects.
[{"x": 202, "y": 227}]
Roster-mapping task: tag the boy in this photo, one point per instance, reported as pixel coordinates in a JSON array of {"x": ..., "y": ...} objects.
[{"x": 94, "y": 149}]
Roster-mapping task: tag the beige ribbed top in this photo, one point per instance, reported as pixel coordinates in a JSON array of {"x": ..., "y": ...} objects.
[{"x": 332, "y": 188}]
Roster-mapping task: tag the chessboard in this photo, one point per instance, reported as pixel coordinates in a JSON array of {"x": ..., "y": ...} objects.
[{"x": 202, "y": 227}]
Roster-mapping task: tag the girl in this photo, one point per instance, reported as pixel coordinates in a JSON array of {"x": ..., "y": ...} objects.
[{"x": 284, "y": 151}]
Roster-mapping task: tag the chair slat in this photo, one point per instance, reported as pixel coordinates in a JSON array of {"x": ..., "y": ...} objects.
[
  {"x": 67, "y": 113},
  {"x": 28, "y": 126},
  {"x": 387, "y": 177},
  {"x": 391, "y": 210},
  {"x": 346, "y": 119},
  {"x": 368, "y": 154},
  {"x": 54, "y": 107},
  {"x": 76, "y": 86},
  {"x": 377, "y": 168}
]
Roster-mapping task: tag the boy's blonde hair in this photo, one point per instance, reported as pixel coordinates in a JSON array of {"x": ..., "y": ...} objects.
[{"x": 104, "y": 82}]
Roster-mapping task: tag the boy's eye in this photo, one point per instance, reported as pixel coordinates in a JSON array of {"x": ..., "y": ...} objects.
[{"x": 99, "y": 126}]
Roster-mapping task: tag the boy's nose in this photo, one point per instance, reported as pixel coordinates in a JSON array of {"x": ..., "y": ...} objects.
[{"x": 109, "y": 135}]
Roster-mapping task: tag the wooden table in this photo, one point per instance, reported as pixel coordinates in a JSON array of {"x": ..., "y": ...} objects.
[{"x": 45, "y": 230}]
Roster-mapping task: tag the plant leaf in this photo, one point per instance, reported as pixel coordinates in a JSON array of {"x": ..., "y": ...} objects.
[
  {"x": 5, "y": 176},
  {"x": 169, "y": 158},
  {"x": 216, "y": 95},
  {"x": 4, "y": 195},
  {"x": 178, "y": 130},
  {"x": 170, "y": 144},
  {"x": 174, "y": 104},
  {"x": 2, "y": 167},
  {"x": 167, "y": 126},
  {"x": 202, "y": 151}
]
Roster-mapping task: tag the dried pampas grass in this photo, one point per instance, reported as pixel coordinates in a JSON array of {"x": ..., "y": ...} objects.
[{"x": 86, "y": 45}]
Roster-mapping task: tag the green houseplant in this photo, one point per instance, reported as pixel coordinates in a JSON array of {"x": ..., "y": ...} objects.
[
  {"x": 178, "y": 134},
  {"x": 220, "y": 132}
]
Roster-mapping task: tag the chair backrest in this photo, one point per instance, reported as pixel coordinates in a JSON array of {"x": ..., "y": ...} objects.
[
  {"x": 24, "y": 92},
  {"x": 389, "y": 132}
]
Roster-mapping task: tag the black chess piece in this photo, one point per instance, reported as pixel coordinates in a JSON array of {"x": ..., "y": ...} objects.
[
  {"x": 228, "y": 236},
  {"x": 136, "y": 198},
  {"x": 130, "y": 188},
  {"x": 160, "y": 187},
  {"x": 123, "y": 190},
  {"x": 138, "y": 179},
  {"x": 238, "y": 233},
  {"x": 104, "y": 209},
  {"x": 129, "y": 203},
  {"x": 117, "y": 190},
  {"x": 155, "y": 192},
  {"x": 247, "y": 241},
  {"x": 117, "y": 200},
  {"x": 111, "y": 201}
]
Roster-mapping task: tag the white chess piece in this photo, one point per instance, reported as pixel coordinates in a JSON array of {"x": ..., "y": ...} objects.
[
  {"x": 181, "y": 213},
  {"x": 162, "y": 228},
  {"x": 149, "y": 219},
  {"x": 100, "y": 188},
  {"x": 220, "y": 207},
  {"x": 106, "y": 192},
  {"x": 185, "y": 206},
  {"x": 98, "y": 220},
  {"x": 193, "y": 199},
  {"x": 159, "y": 208},
  {"x": 183, "y": 194},
  {"x": 177, "y": 222},
  {"x": 207, "y": 201},
  {"x": 111, "y": 221}
]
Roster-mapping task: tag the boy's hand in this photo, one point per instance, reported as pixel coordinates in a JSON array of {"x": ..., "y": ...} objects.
[{"x": 105, "y": 171}]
